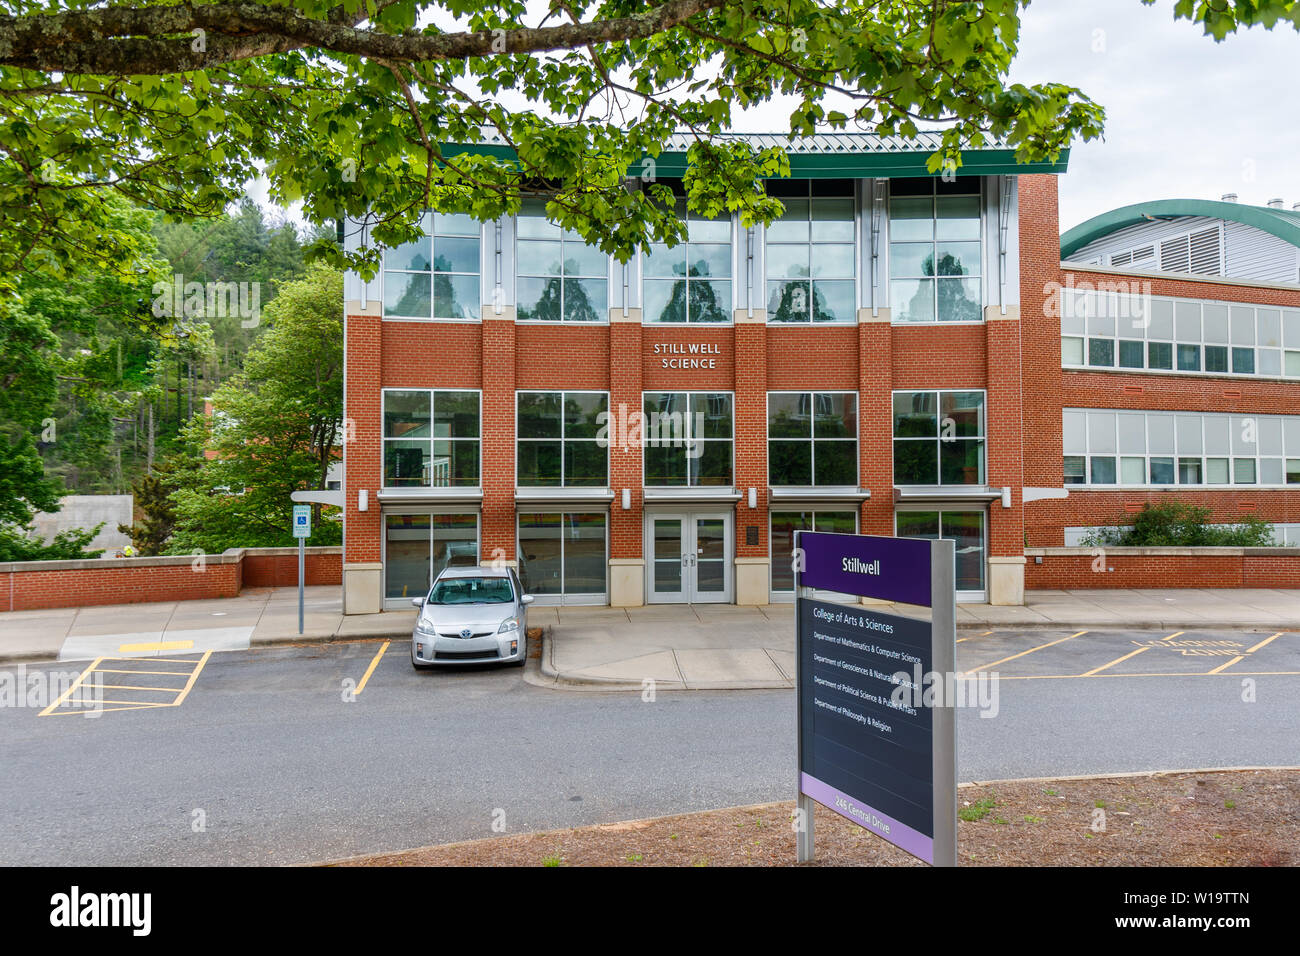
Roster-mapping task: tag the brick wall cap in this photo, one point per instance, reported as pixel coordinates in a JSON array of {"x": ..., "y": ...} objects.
[{"x": 1207, "y": 552}]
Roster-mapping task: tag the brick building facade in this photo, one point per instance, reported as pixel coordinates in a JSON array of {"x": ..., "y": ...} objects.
[{"x": 886, "y": 358}]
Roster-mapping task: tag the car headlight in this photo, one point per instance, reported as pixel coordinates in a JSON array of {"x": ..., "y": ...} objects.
[
  {"x": 509, "y": 624},
  {"x": 424, "y": 626}
]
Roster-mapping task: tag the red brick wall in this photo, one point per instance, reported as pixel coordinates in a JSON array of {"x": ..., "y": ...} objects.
[
  {"x": 1049, "y": 388},
  {"x": 31, "y": 585},
  {"x": 1069, "y": 568}
]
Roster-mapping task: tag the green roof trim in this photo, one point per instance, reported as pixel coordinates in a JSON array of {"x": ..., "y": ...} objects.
[
  {"x": 984, "y": 162},
  {"x": 855, "y": 164},
  {"x": 1283, "y": 223}
]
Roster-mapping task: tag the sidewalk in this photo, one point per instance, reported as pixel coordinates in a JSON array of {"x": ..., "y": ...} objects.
[
  {"x": 259, "y": 616},
  {"x": 724, "y": 646},
  {"x": 684, "y": 646}
]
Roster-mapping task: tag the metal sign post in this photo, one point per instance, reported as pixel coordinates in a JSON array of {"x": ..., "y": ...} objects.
[
  {"x": 876, "y": 722},
  {"x": 301, "y": 531}
]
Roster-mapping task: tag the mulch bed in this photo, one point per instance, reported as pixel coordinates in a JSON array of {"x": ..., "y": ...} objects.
[{"x": 1216, "y": 818}]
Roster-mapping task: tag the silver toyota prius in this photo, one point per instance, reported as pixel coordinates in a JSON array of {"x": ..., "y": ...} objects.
[{"x": 471, "y": 616}]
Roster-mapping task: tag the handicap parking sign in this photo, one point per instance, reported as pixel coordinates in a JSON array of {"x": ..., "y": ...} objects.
[{"x": 302, "y": 521}]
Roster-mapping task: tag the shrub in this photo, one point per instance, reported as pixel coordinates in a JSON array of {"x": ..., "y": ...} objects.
[{"x": 1178, "y": 525}]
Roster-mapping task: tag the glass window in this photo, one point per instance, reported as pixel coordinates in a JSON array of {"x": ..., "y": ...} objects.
[
  {"x": 939, "y": 438},
  {"x": 563, "y": 554},
  {"x": 436, "y": 276},
  {"x": 812, "y": 438},
  {"x": 1101, "y": 352},
  {"x": 783, "y": 526},
  {"x": 965, "y": 528},
  {"x": 1189, "y": 358},
  {"x": 1216, "y": 358},
  {"x": 1103, "y": 470},
  {"x": 935, "y": 250},
  {"x": 417, "y": 548},
  {"x": 559, "y": 439},
  {"x": 811, "y": 254},
  {"x": 1074, "y": 469},
  {"x": 431, "y": 438},
  {"x": 1130, "y": 354},
  {"x": 688, "y": 439},
  {"x": 1160, "y": 355},
  {"x": 690, "y": 282},
  {"x": 1071, "y": 351},
  {"x": 560, "y": 278}
]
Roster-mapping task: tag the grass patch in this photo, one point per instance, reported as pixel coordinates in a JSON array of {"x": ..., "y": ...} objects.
[{"x": 977, "y": 811}]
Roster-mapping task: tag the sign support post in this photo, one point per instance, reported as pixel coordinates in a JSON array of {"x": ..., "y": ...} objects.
[{"x": 301, "y": 531}]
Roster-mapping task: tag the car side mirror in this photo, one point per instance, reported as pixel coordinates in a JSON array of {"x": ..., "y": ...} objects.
[
  {"x": 417, "y": 602},
  {"x": 527, "y": 599}
]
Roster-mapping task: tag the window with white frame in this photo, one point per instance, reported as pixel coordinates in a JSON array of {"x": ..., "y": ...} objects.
[
  {"x": 558, "y": 439},
  {"x": 1113, "y": 447},
  {"x": 812, "y": 438},
  {"x": 559, "y": 278},
  {"x": 688, "y": 439},
  {"x": 437, "y": 276},
  {"x": 691, "y": 282},
  {"x": 431, "y": 438},
  {"x": 935, "y": 250},
  {"x": 783, "y": 525},
  {"x": 1115, "y": 330},
  {"x": 811, "y": 252},
  {"x": 939, "y": 437}
]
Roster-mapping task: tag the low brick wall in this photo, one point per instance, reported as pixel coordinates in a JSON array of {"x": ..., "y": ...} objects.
[
  {"x": 1058, "y": 568},
  {"x": 31, "y": 585}
]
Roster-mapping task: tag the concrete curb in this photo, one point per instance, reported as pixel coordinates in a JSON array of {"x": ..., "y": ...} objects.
[{"x": 555, "y": 678}]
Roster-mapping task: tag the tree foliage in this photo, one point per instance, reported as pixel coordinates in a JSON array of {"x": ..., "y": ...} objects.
[{"x": 274, "y": 430}]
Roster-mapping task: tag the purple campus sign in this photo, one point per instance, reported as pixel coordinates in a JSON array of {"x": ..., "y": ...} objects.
[{"x": 891, "y": 569}]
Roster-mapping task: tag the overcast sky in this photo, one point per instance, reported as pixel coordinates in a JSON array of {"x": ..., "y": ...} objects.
[{"x": 1185, "y": 117}]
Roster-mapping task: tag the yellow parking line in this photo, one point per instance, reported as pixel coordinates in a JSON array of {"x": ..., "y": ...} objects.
[
  {"x": 110, "y": 670},
  {"x": 1173, "y": 635},
  {"x": 68, "y": 693},
  {"x": 1223, "y": 667},
  {"x": 89, "y": 709},
  {"x": 190, "y": 683},
  {"x": 371, "y": 669},
  {"x": 1266, "y": 641},
  {"x": 169, "y": 690},
  {"x": 155, "y": 646},
  {"x": 1023, "y": 653},
  {"x": 1118, "y": 660}
]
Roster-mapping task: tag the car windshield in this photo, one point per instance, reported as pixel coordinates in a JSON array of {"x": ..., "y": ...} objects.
[{"x": 472, "y": 591}]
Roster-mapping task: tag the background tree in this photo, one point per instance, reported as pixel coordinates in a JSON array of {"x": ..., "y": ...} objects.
[{"x": 275, "y": 428}]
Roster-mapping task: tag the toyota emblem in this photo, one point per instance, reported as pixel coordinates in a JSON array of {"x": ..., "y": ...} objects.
[{"x": 465, "y": 632}]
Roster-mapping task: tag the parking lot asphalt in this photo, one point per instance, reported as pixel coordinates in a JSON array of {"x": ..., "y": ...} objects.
[{"x": 298, "y": 753}]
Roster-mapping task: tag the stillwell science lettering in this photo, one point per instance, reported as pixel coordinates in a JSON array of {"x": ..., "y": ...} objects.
[{"x": 694, "y": 348}]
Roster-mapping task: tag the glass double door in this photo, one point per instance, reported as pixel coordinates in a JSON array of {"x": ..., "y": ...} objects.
[
  {"x": 966, "y": 529},
  {"x": 689, "y": 558}
]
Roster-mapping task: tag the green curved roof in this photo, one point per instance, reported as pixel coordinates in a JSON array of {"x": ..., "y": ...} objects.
[{"x": 1283, "y": 223}]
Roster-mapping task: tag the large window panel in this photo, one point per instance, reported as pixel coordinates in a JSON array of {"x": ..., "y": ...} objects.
[
  {"x": 557, "y": 439},
  {"x": 939, "y": 437},
  {"x": 689, "y": 438},
  {"x": 783, "y": 525},
  {"x": 437, "y": 276},
  {"x": 1163, "y": 449},
  {"x": 431, "y": 438},
  {"x": 690, "y": 282},
  {"x": 935, "y": 250},
  {"x": 812, "y": 438},
  {"x": 559, "y": 277},
  {"x": 811, "y": 252},
  {"x": 563, "y": 554}
]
